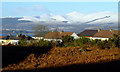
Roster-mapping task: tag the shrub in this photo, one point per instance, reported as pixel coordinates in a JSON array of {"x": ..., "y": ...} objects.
[
  {"x": 76, "y": 43},
  {"x": 93, "y": 42},
  {"x": 83, "y": 48},
  {"x": 81, "y": 41},
  {"x": 116, "y": 40},
  {"x": 67, "y": 39},
  {"x": 100, "y": 44},
  {"x": 23, "y": 42},
  {"x": 84, "y": 40},
  {"x": 43, "y": 43}
]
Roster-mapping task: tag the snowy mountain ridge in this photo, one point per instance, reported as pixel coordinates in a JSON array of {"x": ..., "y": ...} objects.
[{"x": 75, "y": 17}]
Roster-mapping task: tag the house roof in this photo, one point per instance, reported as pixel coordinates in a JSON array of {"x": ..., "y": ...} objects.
[
  {"x": 106, "y": 33},
  {"x": 57, "y": 35},
  {"x": 2, "y": 37},
  {"x": 66, "y": 33},
  {"x": 88, "y": 33},
  {"x": 52, "y": 35}
]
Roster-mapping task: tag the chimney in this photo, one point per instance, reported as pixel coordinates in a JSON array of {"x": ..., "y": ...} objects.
[
  {"x": 111, "y": 30},
  {"x": 99, "y": 30}
]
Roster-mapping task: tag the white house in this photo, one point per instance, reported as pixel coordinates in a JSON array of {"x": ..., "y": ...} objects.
[
  {"x": 105, "y": 34},
  {"x": 38, "y": 38},
  {"x": 60, "y": 40},
  {"x": 99, "y": 38},
  {"x": 6, "y": 42},
  {"x": 75, "y": 36},
  {"x": 59, "y": 35}
]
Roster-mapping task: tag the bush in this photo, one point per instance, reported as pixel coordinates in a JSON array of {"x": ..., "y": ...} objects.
[
  {"x": 83, "y": 48},
  {"x": 93, "y": 42},
  {"x": 116, "y": 40},
  {"x": 67, "y": 39},
  {"x": 76, "y": 43},
  {"x": 100, "y": 44},
  {"x": 23, "y": 42},
  {"x": 43, "y": 43},
  {"x": 81, "y": 41}
]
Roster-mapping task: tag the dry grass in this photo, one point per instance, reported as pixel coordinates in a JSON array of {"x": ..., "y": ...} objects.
[{"x": 66, "y": 56}]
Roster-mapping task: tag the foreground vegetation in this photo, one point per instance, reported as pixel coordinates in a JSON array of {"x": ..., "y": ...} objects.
[
  {"x": 70, "y": 51},
  {"x": 65, "y": 56}
]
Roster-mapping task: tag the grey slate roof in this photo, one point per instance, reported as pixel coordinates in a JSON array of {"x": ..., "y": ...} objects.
[{"x": 88, "y": 33}]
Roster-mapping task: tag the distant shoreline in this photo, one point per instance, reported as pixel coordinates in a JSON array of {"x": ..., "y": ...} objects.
[{"x": 30, "y": 34}]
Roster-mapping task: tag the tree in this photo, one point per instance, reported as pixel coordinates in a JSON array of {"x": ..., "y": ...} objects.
[
  {"x": 100, "y": 44},
  {"x": 40, "y": 30},
  {"x": 67, "y": 40},
  {"x": 116, "y": 40}
]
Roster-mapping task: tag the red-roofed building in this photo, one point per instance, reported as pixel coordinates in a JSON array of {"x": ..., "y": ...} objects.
[
  {"x": 105, "y": 34},
  {"x": 59, "y": 35}
]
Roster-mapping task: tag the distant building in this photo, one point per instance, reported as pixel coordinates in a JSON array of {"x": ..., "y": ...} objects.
[
  {"x": 2, "y": 37},
  {"x": 60, "y": 35},
  {"x": 105, "y": 34},
  {"x": 7, "y": 42},
  {"x": 52, "y": 35},
  {"x": 88, "y": 33},
  {"x": 14, "y": 40},
  {"x": 99, "y": 34},
  {"x": 37, "y": 38}
]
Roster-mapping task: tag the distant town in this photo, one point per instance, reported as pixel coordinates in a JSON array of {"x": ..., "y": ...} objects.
[{"x": 57, "y": 36}]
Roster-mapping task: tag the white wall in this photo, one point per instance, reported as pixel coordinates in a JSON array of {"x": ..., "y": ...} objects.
[
  {"x": 93, "y": 38},
  {"x": 53, "y": 40},
  {"x": 75, "y": 36},
  {"x": 37, "y": 38},
  {"x": 6, "y": 42}
]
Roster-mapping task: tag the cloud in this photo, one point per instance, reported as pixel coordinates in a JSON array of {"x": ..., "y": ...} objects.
[
  {"x": 40, "y": 8},
  {"x": 19, "y": 10},
  {"x": 29, "y": 10}
]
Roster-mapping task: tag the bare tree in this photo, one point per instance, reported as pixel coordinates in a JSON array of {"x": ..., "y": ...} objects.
[{"x": 40, "y": 30}]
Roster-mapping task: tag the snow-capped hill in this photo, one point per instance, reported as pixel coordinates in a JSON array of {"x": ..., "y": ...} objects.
[
  {"x": 32, "y": 18},
  {"x": 45, "y": 18},
  {"x": 98, "y": 19},
  {"x": 101, "y": 17},
  {"x": 58, "y": 18},
  {"x": 94, "y": 18},
  {"x": 29, "y": 18},
  {"x": 74, "y": 16}
]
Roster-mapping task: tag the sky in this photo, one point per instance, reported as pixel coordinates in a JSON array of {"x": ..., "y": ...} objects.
[
  {"x": 19, "y": 9},
  {"x": 60, "y": 0}
]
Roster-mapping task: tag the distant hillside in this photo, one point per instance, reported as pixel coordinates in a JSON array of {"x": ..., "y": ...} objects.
[{"x": 75, "y": 22}]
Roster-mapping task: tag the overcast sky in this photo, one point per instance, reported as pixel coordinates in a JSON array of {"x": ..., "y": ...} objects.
[{"x": 16, "y": 9}]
